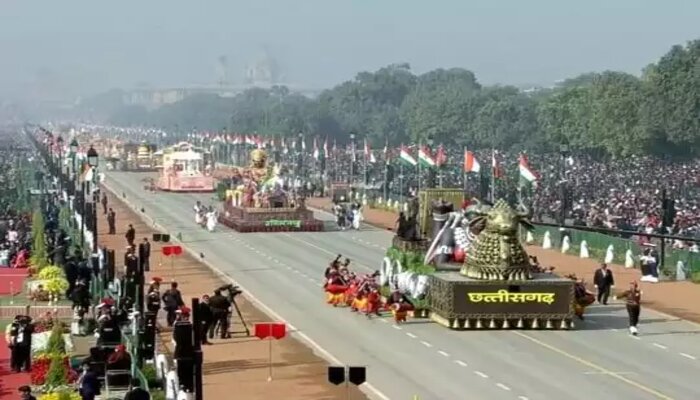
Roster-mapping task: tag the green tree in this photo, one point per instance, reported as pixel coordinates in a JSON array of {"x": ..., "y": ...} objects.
[{"x": 39, "y": 258}]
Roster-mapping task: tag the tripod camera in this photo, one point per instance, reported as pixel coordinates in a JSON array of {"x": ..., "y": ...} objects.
[{"x": 231, "y": 292}]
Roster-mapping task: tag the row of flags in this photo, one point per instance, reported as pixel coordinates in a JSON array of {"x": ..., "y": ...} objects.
[{"x": 425, "y": 156}]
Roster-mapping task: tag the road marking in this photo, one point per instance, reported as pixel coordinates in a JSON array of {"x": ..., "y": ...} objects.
[
  {"x": 426, "y": 344},
  {"x": 686, "y": 355},
  {"x": 481, "y": 374},
  {"x": 442, "y": 353},
  {"x": 412, "y": 336},
  {"x": 635, "y": 337},
  {"x": 594, "y": 366},
  {"x": 661, "y": 346},
  {"x": 522, "y": 398},
  {"x": 396, "y": 327},
  {"x": 383, "y": 320},
  {"x": 265, "y": 308},
  {"x": 325, "y": 251},
  {"x": 502, "y": 386},
  {"x": 460, "y": 363},
  {"x": 605, "y": 373}
]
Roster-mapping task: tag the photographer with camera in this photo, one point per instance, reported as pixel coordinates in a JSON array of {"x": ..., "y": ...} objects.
[{"x": 220, "y": 308}]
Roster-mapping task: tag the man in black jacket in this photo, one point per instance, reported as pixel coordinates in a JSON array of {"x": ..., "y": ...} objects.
[
  {"x": 172, "y": 300},
  {"x": 112, "y": 221},
  {"x": 207, "y": 318},
  {"x": 604, "y": 281},
  {"x": 130, "y": 235},
  {"x": 145, "y": 254},
  {"x": 220, "y": 308}
]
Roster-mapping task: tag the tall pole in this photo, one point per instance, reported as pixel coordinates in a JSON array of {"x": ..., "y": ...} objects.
[
  {"x": 464, "y": 174},
  {"x": 494, "y": 167},
  {"x": 401, "y": 182},
  {"x": 419, "y": 169},
  {"x": 352, "y": 159},
  {"x": 198, "y": 356}
]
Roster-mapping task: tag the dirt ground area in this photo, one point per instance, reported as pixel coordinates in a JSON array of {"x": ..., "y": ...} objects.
[
  {"x": 240, "y": 365},
  {"x": 680, "y": 299}
]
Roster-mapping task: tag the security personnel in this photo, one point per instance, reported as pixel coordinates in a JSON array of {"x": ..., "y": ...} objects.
[
  {"x": 20, "y": 336},
  {"x": 11, "y": 334},
  {"x": 220, "y": 306},
  {"x": 207, "y": 318},
  {"x": 153, "y": 298}
]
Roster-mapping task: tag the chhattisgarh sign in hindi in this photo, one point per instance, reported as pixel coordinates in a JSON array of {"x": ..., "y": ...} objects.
[
  {"x": 284, "y": 222},
  {"x": 495, "y": 299}
]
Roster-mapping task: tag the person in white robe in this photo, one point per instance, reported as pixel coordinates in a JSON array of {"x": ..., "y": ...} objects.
[{"x": 211, "y": 220}]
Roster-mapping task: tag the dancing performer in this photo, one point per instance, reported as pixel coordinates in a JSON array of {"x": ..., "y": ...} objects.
[
  {"x": 582, "y": 296},
  {"x": 399, "y": 304},
  {"x": 211, "y": 219},
  {"x": 356, "y": 216},
  {"x": 633, "y": 302}
]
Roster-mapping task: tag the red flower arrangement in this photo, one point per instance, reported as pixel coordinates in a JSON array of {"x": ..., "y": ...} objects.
[{"x": 40, "y": 368}]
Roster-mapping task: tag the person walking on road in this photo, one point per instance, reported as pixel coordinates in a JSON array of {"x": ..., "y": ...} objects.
[
  {"x": 604, "y": 281},
  {"x": 633, "y": 304}
]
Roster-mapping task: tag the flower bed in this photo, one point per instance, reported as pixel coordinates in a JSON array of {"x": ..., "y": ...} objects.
[{"x": 51, "y": 373}]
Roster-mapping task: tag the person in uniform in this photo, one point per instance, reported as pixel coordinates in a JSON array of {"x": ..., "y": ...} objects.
[
  {"x": 153, "y": 296},
  {"x": 220, "y": 307},
  {"x": 11, "y": 334},
  {"x": 633, "y": 303},
  {"x": 21, "y": 340}
]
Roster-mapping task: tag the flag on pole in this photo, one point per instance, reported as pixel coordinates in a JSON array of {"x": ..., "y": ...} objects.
[
  {"x": 303, "y": 144},
  {"x": 496, "y": 171},
  {"x": 441, "y": 156},
  {"x": 386, "y": 152},
  {"x": 316, "y": 152},
  {"x": 425, "y": 158},
  {"x": 471, "y": 164},
  {"x": 369, "y": 156},
  {"x": 526, "y": 173},
  {"x": 406, "y": 156},
  {"x": 325, "y": 148}
]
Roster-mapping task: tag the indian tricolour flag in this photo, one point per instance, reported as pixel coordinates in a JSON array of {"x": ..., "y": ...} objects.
[
  {"x": 425, "y": 157},
  {"x": 406, "y": 156},
  {"x": 526, "y": 173}
]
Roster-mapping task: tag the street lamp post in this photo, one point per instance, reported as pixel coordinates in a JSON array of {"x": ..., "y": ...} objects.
[
  {"x": 352, "y": 159},
  {"x": 93, "y": 159},
  {"x": 59, "y": 141},
  {"x": 73, "y": 146}
]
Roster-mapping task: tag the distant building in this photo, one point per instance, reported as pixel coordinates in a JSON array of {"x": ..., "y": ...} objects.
[{"x": 154, "y": 98}]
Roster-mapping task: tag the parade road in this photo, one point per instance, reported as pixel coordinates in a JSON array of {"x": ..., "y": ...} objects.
[{"x": 598, "y": 360}]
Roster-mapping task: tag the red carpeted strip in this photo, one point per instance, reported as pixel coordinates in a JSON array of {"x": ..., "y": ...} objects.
[
  {"x": 12, "y": 280},
  {"x": 9, "y": 381}
]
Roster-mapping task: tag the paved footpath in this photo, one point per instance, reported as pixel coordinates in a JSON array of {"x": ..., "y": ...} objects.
[
  {"x": 238, "y": 366},
  {"x": 284, "y": 270},
  {"x": 680, "y": 299}
]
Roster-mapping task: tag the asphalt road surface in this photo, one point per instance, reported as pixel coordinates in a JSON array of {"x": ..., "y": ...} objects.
[{"x": 598, "y": 360}]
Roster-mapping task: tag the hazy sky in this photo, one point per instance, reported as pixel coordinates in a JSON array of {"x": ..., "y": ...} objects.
[{"x": 93, "y": 45}]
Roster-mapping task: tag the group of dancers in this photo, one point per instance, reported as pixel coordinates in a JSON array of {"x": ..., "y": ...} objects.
[
  {"x": 348, "y": 215},
  {"x": 204, "y": 216},
  {"x": 361, "y": 292}
]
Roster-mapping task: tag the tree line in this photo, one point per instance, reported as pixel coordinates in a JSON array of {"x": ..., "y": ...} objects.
[{"x": 610, "y": 114}]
